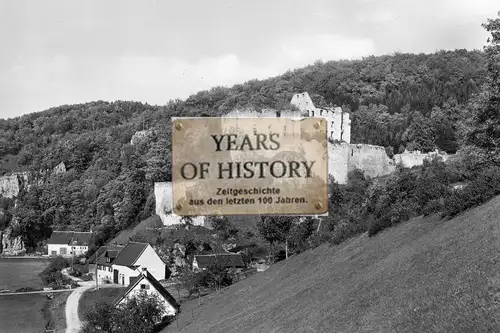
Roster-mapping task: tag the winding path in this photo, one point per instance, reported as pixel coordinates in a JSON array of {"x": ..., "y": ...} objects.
[{"x": 73, "y": 323}]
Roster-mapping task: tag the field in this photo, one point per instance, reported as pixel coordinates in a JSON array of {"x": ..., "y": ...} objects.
[
  {"x": 17, "y": 273},
  {"x": 425, "y": 275},
  {"x": 21, "y": 313}
]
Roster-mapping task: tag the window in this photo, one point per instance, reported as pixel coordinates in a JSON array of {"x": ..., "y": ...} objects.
[{"x": 144, "y": 286}]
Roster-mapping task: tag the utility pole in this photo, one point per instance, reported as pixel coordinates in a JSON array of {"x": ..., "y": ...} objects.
[{"x": 96, "y": 277}]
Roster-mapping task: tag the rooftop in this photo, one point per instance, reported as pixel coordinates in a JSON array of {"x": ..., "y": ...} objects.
[
  {"x": 70, "y": 238},
  {"x": 130, "y": 253}
]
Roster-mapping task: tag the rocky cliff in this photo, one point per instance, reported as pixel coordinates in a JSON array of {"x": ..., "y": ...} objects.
[
  {"x": 12, "y": 184},
  {"x": 11, "y": 245}
]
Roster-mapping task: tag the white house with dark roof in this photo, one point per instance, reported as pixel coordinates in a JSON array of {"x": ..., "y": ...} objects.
[
  {"x": 132, "y": 257},
  {"x": 101, "y": 262},
  {"x": 146, "y": 283},
  {"x": 68, "y": 243}
]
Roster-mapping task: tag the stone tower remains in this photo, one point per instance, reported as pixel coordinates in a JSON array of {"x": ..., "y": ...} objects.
[{"x": 339, "y": 124}]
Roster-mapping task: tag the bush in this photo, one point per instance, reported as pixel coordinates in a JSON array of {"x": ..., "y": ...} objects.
[
  {"x": 141, "y": 314},
  {"x": 52, "y": 275},
  {"x": 345, "y": 230},
  {"x": 86, "y": 277},
  {"x": 27, "y": 289},
  {"x": 483, "y": 187}
]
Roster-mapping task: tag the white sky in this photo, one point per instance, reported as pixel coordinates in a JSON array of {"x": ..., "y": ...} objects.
[{"x": 56, "y": 52}]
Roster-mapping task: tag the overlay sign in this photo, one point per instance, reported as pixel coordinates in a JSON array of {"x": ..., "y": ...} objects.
[{"x": 249, "y": 166}]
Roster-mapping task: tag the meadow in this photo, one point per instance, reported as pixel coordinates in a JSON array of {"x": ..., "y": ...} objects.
[{"x": 21, "y": 313}]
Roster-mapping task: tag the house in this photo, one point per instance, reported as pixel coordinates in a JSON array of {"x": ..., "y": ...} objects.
[
  {"x": 134, "y": 256},
  {"x": 228, "y": 260},
  {"x": 100, "y": 263},
  {"x": 146, "y": 283},
  {"x": 68, "y": 243}
]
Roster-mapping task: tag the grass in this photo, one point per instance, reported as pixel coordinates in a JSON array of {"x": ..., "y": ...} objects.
[
  {"x": 22, "y": 313},
  {"x": 91, "y": 297},
  {"x": 54, "y": 313},
  {"x": 124, "y": 235},
  {"x": 425, "y": 275}
]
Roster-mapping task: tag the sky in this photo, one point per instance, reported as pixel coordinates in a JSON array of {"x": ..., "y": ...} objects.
[{"x": 57, "y": 52}]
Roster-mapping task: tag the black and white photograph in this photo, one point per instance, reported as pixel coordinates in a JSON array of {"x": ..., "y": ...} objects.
[{"x": 226, "y": 166}]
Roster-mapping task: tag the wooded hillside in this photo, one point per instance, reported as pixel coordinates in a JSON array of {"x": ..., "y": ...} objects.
[{"x": 398, "y": 101}]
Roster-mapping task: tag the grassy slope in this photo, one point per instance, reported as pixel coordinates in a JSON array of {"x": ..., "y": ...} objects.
[
  {"x": 124, "y": 235},
  {"x": 54, "y": 312},
  {"x": 426, "y": 275},
  {"x": 91, "y": 297}
]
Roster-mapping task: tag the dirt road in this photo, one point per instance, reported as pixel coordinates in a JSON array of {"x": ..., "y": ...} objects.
[{"x": 73, "y": 323}]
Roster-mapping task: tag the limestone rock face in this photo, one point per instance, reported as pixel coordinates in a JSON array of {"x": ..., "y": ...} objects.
[
  {"x": 9, "y": 186},
  {"x": 59, "y": 169},
  {"x": 141, "y": 136},
  {"x": 11, "y": 245}
]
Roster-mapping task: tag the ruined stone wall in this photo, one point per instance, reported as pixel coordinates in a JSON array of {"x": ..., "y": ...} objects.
[
  {"x": 303, "y": 101},
  {"x": 338, "y": 161},
  {"x": 338, "y": 122},
  {"x": 251, "y": 114},
  {"x": 290, "y": 114},
  {"x": 373, "y": 160},
  {"x": 410, "y": 159},
  {"x": 346, "y": 127},
  {"x": 163, "y": 196}
]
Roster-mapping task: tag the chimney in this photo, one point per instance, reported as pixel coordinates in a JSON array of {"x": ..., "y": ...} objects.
[{"x": 144, "y": 271}]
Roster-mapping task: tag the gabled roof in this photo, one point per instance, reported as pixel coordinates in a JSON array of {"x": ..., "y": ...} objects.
[
  {"x": 96, "y": 254},
  {"x": 226, "y": 259},
  {"x": 157, "y": 285},
  {"x": 129, "y": 254},
  {"x": 70, "y": 238},
  {"x": 103, "y": 252}
]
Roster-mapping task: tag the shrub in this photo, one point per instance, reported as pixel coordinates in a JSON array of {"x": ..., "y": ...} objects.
[
  {"x": 86, "y": 277},
  {"x": 27, "y": 289},
  {"x": 483, "y": 187},
  {"x": 141, "y": 314},
  {"x": 346, "y": 229},
  {"x": 52, "y": 275}
]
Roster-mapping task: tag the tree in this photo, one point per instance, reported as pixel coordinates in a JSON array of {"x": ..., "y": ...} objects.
[
  {"x": 191, "y": 281},
  {"x": 300, "y": 232},
  {"x": 276, "y": 229},
  {"x": 484, "y": 134},
  {"x": 159, "y": 162},
  {"x": 420, "y": 134},
  {"x": 99, "y": 318},
  {"x": 140, "y": 314}
]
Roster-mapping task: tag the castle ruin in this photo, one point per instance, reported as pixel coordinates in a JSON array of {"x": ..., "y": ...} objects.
[{"x": 342, "y": 155}]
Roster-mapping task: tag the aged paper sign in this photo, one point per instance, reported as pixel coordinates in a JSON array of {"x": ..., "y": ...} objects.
[{"x": 249, "y": 166}]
